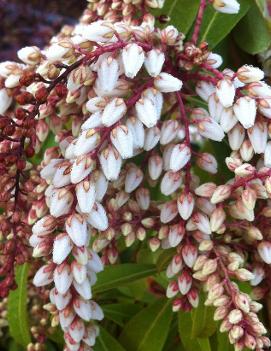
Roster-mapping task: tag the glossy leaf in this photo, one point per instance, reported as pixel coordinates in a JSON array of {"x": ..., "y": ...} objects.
[
  {"x": 17, "y": 308},
  {"x": 203, "y": 324},
  {"x": 216, "y": 26},
  {"x": 182, "y": 13},
  {"x": 121, "y": 274},
  {"x": 148, "y": 330},
  {"x": 106, "y": 342},
  {"x": 252, "y": 33},
  {"x": 190, "y": 343},
  {"x": 120, "y": 313}
]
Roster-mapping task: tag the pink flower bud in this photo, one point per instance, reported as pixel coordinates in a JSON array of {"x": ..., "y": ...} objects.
[
  {"x": 42, "y": 130},
  {"x": 30, "y": 55},
  {"x": 155, "y": 166},
  {"x": 193, "y": 297},
  {"x": 77, "y": 329},
  {"x": 76, "y": 227},
  {"x": 175, "y": 235},
  {"x": 202, "y": 222},
  {"x": 184, "y": 282},
  {"x": 206, "y": 189},
  {"x": 170, "y": 182},
  {"x": 85, "y": 193},
  {"x": 246, "y": 151},
  {"x": 172, "y": 289},
  {"x": 122, "y": 139},
  {"x": 81, "y": 168},
  {"x": 189, "y": 254},
  {"x": 152, "y": 136},
  {"x": 221, "y": 193},
  {"x": 210, "y": 129},
  {"x": 66, "y": 317},
  {"x": 61, "y": 301},
  {"x": 80, "y": 254},
  {"x": 44, "y": 275},
  {"x": 95, "y": 263},
  {"x": 186, "y": 205},
  {"x": 179, "y": 157},
  {"x": 96, "y": 104},
  {"x": 242, "y": 301},
  {"x": 143, "y": 198},
  {"x": 44, "y": 226},
  {"x": 63, "y": 278},
  {"x": 133, "y": 178},
  {"x": 217, "y": 218},
  {"x": 175, "y": 266},
  {"x": 97, "y": 217},
  {"x": 83, "y": 289},
  {"x": 168, "y": 212},
  {"x": 259, "y": 90},
  {"x": 82, "y": 308},
  {"x": 207, "y": 162},
  {"x": 62, "y": 247},
  {"x": 169, "y": 131}
]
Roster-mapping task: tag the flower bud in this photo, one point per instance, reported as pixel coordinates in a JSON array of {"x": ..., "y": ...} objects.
[
  {"x": 264, "y": 250},
  {"x": 249, "y": 74},
  {"x": 113, "y": 112},
  {"x": 147, "y": 112},
  {"x": 180, "y": 155},
  {"x": 122, "y": 139},
  {"x": 133, "y": 59},
  {"x": 98, "y": 217},
  {"x": 185, "y": 205},
  {"x": 62, "y": 278},
  {"x": 245, "y": 111},
  {"x": 76, "y": 227},
  {"x": 133, "y": 178},
  {"x": 87, "y": 142},
  {"x": 166, "y": 83},
  {"x": 226, "y": 6},
  {"x": 110, "y": 161},
  {"x": 225, "y": 92},
  {"x": 154, "y": 62},
  {"x": 184, "y": 282}
]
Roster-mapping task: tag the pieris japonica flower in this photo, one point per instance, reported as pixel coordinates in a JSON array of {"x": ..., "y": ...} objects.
[
  {"x": 226, "y": 6},
  {"x": 133, "y": 149}
]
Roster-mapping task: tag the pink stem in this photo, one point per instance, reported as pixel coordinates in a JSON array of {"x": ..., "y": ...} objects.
[{"x": 198, "y": 23}]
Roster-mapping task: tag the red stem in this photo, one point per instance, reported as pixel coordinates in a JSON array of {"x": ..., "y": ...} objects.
[{"x": 198, "y": 23}]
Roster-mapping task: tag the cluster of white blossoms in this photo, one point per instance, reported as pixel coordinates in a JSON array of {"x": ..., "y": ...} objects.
[{"x": 116, "y": 92}]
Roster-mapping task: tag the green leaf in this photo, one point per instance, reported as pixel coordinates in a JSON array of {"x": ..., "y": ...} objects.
[
  {"x": 164, "y": 259},
  {"x": 190, "y": 343},
  {"x": 203, "y": 324},
  {"x": 223, "y": 343},
  {"x": 120, "y": 313},
  {"x": 252, "y": 33},
  {"x": 121, "y": 274},
  {"x": 148, "y": 330},
  {"x": 14, "y": 347},
  {"x": 216, "y": 26},
  {"x": 106, "y": 342},
  {"x": 17, "y": 308},
  {"x": 182, "y": 13}
]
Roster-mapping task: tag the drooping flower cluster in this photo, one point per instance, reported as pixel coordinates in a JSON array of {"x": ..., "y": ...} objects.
[{"x": 119, "y": 95}]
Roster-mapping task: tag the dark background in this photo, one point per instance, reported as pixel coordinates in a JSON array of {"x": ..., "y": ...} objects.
[{"x": 26, "y": 22}]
